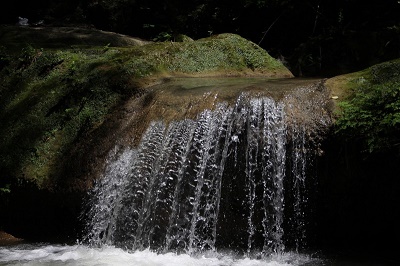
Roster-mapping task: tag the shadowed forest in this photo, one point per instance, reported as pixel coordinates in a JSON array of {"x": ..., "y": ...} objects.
[{"x": 312, "y": 37}]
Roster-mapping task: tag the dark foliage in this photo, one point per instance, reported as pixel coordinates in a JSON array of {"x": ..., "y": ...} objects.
[{"x": 314, "y": 37}]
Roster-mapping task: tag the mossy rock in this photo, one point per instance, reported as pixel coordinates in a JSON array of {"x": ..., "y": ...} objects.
[
  {"x": 368, "y": 106},
  {"x": 183, "y": 38},
  {"x": 53, "y": 100},
  {"x": 343, "y": 87}
]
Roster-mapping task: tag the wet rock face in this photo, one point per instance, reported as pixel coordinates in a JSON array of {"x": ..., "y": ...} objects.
[
  {"x": 7, "y": 239},
  {"x": 185, "y": 98}
]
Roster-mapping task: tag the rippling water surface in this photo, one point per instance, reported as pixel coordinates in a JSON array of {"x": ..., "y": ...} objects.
[{"x": 27, "y": 254}]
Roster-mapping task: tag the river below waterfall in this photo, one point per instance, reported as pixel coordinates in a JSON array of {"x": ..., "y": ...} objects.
[{"x": 43, "y": 254}]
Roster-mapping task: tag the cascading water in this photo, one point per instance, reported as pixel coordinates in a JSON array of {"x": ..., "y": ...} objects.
[{"x": 233, "y": 178}]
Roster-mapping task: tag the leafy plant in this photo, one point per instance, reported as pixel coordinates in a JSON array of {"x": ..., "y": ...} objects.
[
  {"x": 163, "y": 36},
  {"x": 5, "y": 189},
  {"x": 28, "y": 55},
  {"x": 372, "y": 112}
]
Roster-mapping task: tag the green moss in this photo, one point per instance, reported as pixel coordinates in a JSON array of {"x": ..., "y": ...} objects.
[
  {"x": 215, "y": 55},
  {"x": 46, "y": 105},
  {"x": 371, "y": 111},
  {"x": 52, "y": 99}
]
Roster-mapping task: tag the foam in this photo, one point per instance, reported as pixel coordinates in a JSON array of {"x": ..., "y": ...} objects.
[{"x": 85, "y": 256}]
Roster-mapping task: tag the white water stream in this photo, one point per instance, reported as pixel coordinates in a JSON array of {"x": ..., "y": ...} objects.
[
  {"x": 166, "y": 194},
  {"x": 58, "y": 255}
]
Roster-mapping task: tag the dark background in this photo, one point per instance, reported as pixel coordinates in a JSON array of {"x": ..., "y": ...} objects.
[{"x": 312, "y": 37}]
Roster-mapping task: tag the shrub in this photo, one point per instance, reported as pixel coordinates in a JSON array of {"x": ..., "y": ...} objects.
[{"x": 372, "y": 112}]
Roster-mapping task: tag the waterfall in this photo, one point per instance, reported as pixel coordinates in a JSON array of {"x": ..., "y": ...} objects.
[{"x": 233, "y": 178}]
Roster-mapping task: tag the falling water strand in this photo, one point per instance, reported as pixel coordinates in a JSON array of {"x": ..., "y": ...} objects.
[
  {"x": 165, "y": 194},
  {"x": 178, "y": 163},
  {"x": 204, "y": 136},
  {"x": 299, "y": 164},
  {"x": 252, "y": 164},
  {"x": 273, "y": 172},
  {"x": 105, "y": 201},
  {"x": 157, "y": 201}
]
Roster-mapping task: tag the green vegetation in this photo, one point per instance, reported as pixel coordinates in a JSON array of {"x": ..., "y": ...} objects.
[
  {"x": 51, "y": 99},
  {"x": 5, "y": 189},
  {"x": 225, "y": 52},
  {"x": 371, "y": 111}
]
